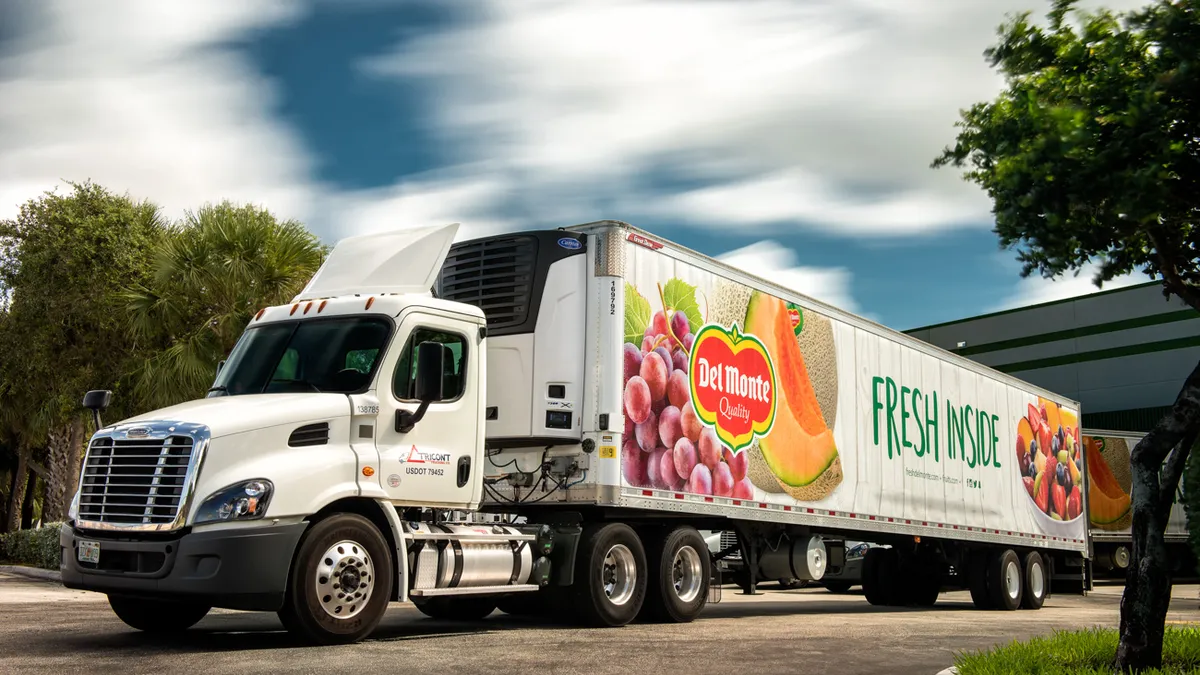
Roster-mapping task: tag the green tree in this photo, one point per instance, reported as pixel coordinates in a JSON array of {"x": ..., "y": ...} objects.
[
  {"x": 218, "y": 267},
  {"x": 63, "y": 262},
  {"x": 1092, "y": 153}
]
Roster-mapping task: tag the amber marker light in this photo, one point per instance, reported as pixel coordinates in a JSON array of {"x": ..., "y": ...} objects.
[{"x": 370, "y": 301}]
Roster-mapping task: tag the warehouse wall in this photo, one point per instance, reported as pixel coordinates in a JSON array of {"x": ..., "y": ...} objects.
[{"x": 1123, "y": 354}]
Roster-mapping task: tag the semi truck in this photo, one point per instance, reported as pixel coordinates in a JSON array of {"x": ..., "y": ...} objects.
[
  {"x": 544, "y": 422},
  {"x": 1110, "y": 514}
]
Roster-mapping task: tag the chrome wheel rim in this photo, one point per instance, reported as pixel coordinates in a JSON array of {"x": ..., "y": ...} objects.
[
  {"x": 618, "y": 574},
  {"x": 1012, "y": 580},
  {"x": 1121, "y": 557},
  {"x": 344, "y": 580},
  {"x": 686, "y": 574},
  {"x": 1037, "y": 579}
]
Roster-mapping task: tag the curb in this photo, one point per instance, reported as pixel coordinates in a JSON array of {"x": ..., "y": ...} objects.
[
  {"x": 32, "y": 572},
  {"x": 948, "y": 671}
]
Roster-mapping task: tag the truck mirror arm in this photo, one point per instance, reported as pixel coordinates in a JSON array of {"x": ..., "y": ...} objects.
[{"x": 405, "y": 420}]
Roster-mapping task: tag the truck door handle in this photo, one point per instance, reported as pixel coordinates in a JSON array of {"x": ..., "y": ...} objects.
[{"x": 464, "y": 470}]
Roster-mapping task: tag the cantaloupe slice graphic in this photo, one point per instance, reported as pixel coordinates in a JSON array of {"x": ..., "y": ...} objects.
[
  {"x": 1108, "y": 504},
  {"x": 799, "y": 450}
]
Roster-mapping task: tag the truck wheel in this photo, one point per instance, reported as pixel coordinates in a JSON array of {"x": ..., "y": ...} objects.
[
  {"x": 837, "y": 586},
  {"x": 340, "y": 583},
  {"x": 679, "y": 576},
  {"x": 870, "y": 577},
  {"x": 610, "y": 575},
  {"x": 1035, "y": 581},
  {"x": 456, "y": 609},
  {"x": 977, "y": 578},
  {"x": 1005, "y": 581},
  {"x": 156, "y": 616}
]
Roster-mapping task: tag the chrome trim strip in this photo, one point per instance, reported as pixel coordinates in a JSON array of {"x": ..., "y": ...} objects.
[{"x": 201, "y": 436}]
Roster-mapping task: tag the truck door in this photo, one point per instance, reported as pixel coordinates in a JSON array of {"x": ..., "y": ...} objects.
[{"x": 435, "y": 462}]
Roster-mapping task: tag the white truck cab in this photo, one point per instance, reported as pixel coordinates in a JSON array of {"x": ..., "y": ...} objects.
[{"x": 363, "y": 396}]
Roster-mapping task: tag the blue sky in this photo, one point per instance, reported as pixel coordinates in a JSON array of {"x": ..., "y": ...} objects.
[{"x": 792, "y": 137}]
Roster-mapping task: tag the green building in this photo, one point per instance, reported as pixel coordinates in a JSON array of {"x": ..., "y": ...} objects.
[{"x": 1123, "y": 354}]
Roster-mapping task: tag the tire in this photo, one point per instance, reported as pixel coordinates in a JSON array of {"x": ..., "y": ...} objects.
[
  {"x": 157, "y": 616},
  {"x": 350, "y": 544},
  {"x": 870, "y": 576},
  {"x": 457, "y": 608},
  {"x": 1036, "y": 581},
  {"x": 977, "y": 579},
  {"x": 837, "y": 586},
  {"x": 679, "y": 576},
  {"x": 609, "y": 553},
  {"x": 1005, "y": 581}
]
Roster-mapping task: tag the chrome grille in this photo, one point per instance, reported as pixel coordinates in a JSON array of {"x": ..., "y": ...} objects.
[
  {"x": 135, "y": 482},
  {"x": 729, "y": 538}
]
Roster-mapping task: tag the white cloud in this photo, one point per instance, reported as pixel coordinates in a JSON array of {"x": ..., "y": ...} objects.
[
  {"x": 826, "y": 112},
  {"x": 137, "y": 96},
  {"x": 1036, "y": 289},
  {"x": 770, "y": 260}
]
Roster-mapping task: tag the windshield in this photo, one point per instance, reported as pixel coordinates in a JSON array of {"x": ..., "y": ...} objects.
[{"x": 316, "y": 355}]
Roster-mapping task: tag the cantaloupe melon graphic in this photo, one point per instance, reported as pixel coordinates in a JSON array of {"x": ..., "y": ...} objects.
[
  {"x": 799, "y": 456},
  {"x": 1110, "y": 484}
]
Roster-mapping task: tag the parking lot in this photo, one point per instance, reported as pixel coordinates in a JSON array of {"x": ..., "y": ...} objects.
[{"x": 48, "y": 628}]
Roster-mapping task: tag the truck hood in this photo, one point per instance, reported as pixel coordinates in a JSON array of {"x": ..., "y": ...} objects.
[{"x": 225, "y": 415}]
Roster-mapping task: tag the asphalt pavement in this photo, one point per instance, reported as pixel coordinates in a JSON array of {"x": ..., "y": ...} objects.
[{"x": 47, "y": 628}]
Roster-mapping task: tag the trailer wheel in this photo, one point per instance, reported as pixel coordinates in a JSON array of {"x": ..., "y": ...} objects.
[
  {"x": 1005, "y": 581},
  {"x": 340, "y": 583},
  {"x": 978, "y": 564},
  {"x": 610, "y": 575},
  {"x": 679, "y": 576},
  {"x": 456, "y": 608},
  {"x": 156, "y": 616},
  {"x": 1036, "y": 581}
]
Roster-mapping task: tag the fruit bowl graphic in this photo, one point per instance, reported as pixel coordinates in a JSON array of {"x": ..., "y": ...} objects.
[{"x": 1050, "y": 459}]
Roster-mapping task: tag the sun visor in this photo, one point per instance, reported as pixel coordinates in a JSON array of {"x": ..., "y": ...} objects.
[{"x": 398, "y": 261}]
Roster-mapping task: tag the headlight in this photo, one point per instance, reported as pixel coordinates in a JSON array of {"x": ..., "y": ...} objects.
[{"x": 241, "y": 501}]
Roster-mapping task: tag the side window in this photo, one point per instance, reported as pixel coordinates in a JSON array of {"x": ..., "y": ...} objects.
[{"x": 404, "y": 383}]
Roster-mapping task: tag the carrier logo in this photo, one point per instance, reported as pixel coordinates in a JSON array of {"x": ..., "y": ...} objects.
[
  {"x": 569, "y": 243},
  {"x": 733, "y": 384},
  {"x": 415, "y": 456}
]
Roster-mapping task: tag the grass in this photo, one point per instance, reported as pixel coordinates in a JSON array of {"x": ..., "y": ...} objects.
[{"x": 1083, "y": 652}]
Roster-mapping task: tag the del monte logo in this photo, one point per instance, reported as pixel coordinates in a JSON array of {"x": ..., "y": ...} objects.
[{"x": 733, "y": 384}]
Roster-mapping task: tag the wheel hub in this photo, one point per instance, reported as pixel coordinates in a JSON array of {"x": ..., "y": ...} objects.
[
  {"x": 686, "y": 574},
  {"x": 1012, "y": 580},
  {"x": 344, "y": 579},
  {"x": 618, "y": 574}
]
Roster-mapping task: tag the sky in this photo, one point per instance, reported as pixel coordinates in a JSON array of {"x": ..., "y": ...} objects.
[{"x": 789, "y": 137}]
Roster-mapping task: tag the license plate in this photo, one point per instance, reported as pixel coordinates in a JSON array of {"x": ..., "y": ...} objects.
[{"x": 89, "y": 551}]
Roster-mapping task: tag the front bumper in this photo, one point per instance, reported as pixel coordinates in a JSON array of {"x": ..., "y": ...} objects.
[{"x": 243, "y": 568}]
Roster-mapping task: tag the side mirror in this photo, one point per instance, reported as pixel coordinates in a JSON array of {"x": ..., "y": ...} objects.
[
  {"x": 431, "y": 359},
  {"x": 97, "y": 401}
]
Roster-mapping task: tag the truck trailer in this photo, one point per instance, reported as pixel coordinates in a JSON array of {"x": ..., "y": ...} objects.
[
  {"x": 544, "y": 422},
  {"x": 1110, "y": 514}
]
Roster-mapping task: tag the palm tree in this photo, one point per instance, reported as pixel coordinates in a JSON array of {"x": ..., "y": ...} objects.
[{"x": 218, "y": 267}]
